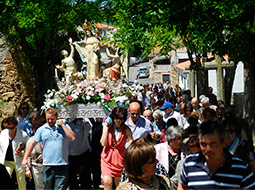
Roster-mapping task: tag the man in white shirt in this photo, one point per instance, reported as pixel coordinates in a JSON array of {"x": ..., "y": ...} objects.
[{"x": 170, "y": 113}]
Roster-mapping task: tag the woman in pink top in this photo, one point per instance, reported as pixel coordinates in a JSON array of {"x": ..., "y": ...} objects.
[{"x": 113, "y": 140}]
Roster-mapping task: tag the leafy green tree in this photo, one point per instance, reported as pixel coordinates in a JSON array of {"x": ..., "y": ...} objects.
[
  {"x": 218, "y": 26},
  {"x": 42, "y": 27}
]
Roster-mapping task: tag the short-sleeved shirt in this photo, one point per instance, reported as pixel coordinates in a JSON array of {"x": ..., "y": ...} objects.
[
  {"x": 234, "y": 173},
  {"x": 55, "y": 145},
  {"x": 142, "y": 128},
  {"x": 25, "y": 125}
]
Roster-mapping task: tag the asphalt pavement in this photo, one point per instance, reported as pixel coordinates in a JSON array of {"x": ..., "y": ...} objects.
[{"x": 133, "y": 73}]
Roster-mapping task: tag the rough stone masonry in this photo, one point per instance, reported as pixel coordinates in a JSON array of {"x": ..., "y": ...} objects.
[{"x": 17, "y": 82}]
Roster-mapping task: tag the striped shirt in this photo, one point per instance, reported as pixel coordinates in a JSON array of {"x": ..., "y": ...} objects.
[{"x": 234, "y": 173}]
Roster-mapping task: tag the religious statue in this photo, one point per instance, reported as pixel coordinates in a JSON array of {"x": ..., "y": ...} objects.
[
  {"x": 68, "y": 65},
  {"x": 113, "y": 72},
  {"x": 89, "y": 49},
  {"x": 124, "y": 59}
]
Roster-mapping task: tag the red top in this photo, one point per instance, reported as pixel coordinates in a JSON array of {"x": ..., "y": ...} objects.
[{"x": 113, "y": 153}]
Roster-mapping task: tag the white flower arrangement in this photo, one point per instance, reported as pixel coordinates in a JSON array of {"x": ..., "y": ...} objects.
[{"x": 107, "y": 94}]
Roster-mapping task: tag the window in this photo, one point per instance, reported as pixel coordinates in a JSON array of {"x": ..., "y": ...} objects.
[{"x": 166, "y": 78}]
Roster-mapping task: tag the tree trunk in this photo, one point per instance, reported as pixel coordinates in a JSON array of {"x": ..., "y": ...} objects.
[
  {"x": 44, "y": 73},
  {"x": 229, "y": 80},
  {"x": 202, "y": 82},
  {"x": 249, "y": 101}
]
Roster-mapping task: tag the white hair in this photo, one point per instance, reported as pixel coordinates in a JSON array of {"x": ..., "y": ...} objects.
[
  {"x": 157, "y": 113},
  {"x": 201, "y": 97},
  {"x": 205, "y": 100},
  {"x": 172, "y": 132}
]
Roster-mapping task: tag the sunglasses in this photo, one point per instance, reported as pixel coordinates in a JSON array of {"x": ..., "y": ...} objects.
[
  {"x": 11, "y": 128},
  {"x": 134, "y": 114}
]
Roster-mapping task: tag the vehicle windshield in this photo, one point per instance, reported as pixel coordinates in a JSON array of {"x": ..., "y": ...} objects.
[{"x": 143, "y": 70}]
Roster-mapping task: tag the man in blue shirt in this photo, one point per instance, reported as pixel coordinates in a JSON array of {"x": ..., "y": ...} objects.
[
  {"x": 140, "y": 126},
  {"x": 54, "y": 136},
  {"x": 214, "y": 167}
]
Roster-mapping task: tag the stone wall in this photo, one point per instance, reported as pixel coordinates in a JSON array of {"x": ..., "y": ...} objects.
[{"x": 17, "y": 82}]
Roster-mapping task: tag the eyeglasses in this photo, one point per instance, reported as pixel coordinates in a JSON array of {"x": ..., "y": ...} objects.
[
  {"x": 134, "y": 114},
  {"x": 24, "y": 108},
  {"x": 11, "y": 128},
  {"x": 229, "y": 131}
]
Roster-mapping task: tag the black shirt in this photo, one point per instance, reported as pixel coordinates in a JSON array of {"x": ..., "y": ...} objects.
[{"x": 9, "y": 153}]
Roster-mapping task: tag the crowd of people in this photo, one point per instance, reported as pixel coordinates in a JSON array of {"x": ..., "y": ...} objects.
[{"x": 164, "y": 139}]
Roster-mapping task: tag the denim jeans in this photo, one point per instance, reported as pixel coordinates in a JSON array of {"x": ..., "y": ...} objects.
[{"x": 55, "y": 177}]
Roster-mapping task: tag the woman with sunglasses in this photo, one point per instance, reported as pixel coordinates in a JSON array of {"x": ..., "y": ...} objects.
[
  {"x": 113, "y": 139},
  {"x": 140, "y": 167},
  {"x": 23, "y": 121},
  {"x": 235, "y": 144},
  {"x": 12, "y": 145}
]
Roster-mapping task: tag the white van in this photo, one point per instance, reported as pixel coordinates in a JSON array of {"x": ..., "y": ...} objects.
[{"x": 143, "y": 72}]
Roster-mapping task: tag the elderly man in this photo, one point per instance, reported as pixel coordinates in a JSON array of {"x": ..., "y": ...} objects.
[
  {"x": 205, "y": 102},
  {"x": 170, "y": 113},
  {"x": 54, "y": 136},
  {"x": 214, "y": 167},
  {"x": 139, "y": 125},
  {"x": 148, "y": 115},
  {"x": 195, "y": 105}
]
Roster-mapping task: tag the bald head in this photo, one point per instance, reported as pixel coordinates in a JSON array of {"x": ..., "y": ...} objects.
[
  {"x": 134, "y": 111},
  {"x": 134, "y": 105},
  {"x": 148, "y": 114},
  {"x": 194, "y": 103}
]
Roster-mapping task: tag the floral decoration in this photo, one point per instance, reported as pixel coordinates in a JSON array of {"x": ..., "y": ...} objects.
[{"x": 105, "y": 93}]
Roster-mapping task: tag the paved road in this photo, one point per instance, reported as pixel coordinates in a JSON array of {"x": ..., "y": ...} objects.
[{"x": 133, "y": 73}]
